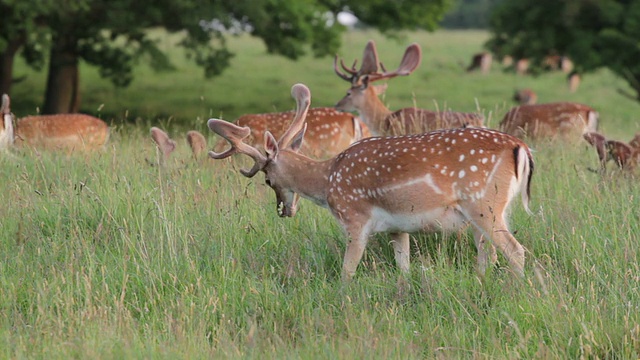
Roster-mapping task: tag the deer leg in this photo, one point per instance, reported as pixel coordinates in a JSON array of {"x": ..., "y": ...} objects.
[
  {"x": 358, "y": 239},
  {"x": 401, "y": 246},
  {"x": 490, "y": 222},
  {"x": 486, "y": 251}
]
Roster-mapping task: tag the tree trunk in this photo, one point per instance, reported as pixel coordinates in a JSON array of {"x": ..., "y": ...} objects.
[
  {"x": 6, "y": 64},
  {"x": 62, "y": 93}
]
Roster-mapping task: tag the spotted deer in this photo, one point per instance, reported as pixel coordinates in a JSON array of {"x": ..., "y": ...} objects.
[
  {"x": 329, "y": 131},
  {"x": 70, "y": 132},
  {"x": 563, "y": 120},
  {"x": 363, "y": 98},
  {"x": 625, "y": 156},
  {"x": 438, "y": 180}
]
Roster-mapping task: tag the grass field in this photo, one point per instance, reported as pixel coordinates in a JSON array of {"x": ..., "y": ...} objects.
[{"x": 105, "y": 256}]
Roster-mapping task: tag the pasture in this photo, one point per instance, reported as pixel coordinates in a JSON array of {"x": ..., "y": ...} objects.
[{"x": 106, "y": 256}]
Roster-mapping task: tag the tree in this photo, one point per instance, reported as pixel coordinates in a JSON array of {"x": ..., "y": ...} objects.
[
  {"x": 594, "y": 34},
  {"x": 113, "y": 34}
]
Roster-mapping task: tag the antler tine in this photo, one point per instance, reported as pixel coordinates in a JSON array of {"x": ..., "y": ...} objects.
[
  {"x": 234, "y": 135},
  {"x": 342, "y": 75},
  {"x": 302, "y": 95},
  {"x": 410, "y": 61}
]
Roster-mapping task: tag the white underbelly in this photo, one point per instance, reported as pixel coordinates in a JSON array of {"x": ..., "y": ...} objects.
[{"x": 443, "y": 218}]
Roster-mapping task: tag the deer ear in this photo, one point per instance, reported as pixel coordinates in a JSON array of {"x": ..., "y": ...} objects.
[
  {"x": 380, "y": 89},
  {"x": 270, "y": 144},
  {"x": 296, "y": 143}
]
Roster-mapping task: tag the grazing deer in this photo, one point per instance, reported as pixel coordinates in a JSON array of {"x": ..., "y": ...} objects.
[
  {"x": 329, "y": 131},
  {"x": 363, "y": 97},
  {"x": 481, "y": 61},
  {"x": 197, "y": 143},
  {"x": 164, "y": 143},
  {"x": 625, "y": 156},
  {"x": 525, "y": 97},
  {"x": 70, "y": 132},
  {"x": 439, "y": 180},
  {"x": 563, "y": 119}
]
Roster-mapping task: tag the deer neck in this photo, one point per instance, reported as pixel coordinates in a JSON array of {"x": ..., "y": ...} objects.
[
  {"x": 373, "y": 112},
  {"x": 307, "y": 177}
]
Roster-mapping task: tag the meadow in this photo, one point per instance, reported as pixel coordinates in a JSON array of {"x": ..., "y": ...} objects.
[{"x": 108, "y": 255}]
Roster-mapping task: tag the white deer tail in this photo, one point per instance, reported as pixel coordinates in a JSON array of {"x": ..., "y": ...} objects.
[{"x": 524, "y": 172}]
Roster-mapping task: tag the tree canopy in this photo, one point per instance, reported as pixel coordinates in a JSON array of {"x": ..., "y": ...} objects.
[
  {"x": 594, "y": 34},
  {"x": 113, "y": 34}
]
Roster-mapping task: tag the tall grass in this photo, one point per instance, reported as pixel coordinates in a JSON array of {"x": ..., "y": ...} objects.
[{"x": 107, "y": 256}]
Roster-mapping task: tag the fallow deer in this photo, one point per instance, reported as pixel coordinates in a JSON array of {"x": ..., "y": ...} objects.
[
  {"x": 481, "y": 61},
  {"x": 329, "y": 131},
  {"x": 564, "y": 120},
  {"x": 525, "y": 97},
  {"x": 363, "y": 98},
  {"x": 70, "y": 132},
  {"x": 164, "y": 143},
  {"x": 197, "y": 143},
  {"x": 625, "y": 156},
  {"x": 442, "y": 179}
]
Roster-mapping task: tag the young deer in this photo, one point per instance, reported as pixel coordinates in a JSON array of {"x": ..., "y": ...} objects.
[
  {"x": 625, "y": 156},
  {"x": 164, "y": 143},
  {"x": 563, "y": 119},
  {"x": 197, "y": 143},
  {"x": 363, "y": 98},
  {"x": 329, "y": 131},
  {"x": 438, "y": 180},
  {"x": 71, "y": 132}
]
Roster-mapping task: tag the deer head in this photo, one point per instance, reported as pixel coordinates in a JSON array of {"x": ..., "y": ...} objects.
[
  {"x": 291, "y": 141},
  {"x": 361, "y": 91}
]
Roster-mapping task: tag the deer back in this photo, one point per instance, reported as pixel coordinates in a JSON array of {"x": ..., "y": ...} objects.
[
  {"x": 328, "y": 131},
  {"x": 416, "y": 121},
  {"x": 463, "y": 166},
  {"x": 553, "y": 120},
  {"x": 62, "y": 131}
]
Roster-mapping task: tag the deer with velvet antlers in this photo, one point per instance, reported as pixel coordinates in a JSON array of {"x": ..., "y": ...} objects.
[
  {"x": 70, "y": 132},
  {"x": 363, "y": 97},
  {"x": 439, "y": 180}
]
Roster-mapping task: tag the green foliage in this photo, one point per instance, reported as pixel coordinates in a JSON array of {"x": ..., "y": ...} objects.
[
  {"x": 111, "y": 34},
  {"x": 594, "y": 34}
]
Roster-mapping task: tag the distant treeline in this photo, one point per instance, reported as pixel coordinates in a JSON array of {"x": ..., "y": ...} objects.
[{"x": 470, "y": 14}]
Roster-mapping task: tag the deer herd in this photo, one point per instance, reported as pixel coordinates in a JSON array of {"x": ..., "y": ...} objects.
[{"x": 382, "y": 171}]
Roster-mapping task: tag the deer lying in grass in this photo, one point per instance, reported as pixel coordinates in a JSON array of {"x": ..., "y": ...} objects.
[
  {"x": 439, "y": 180},
  {"x": 553, "y": 120},
  {"x": 70, "y": 132},
  {"x": 329, "y": 131},
  {"x": 363, "y": 98}
]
